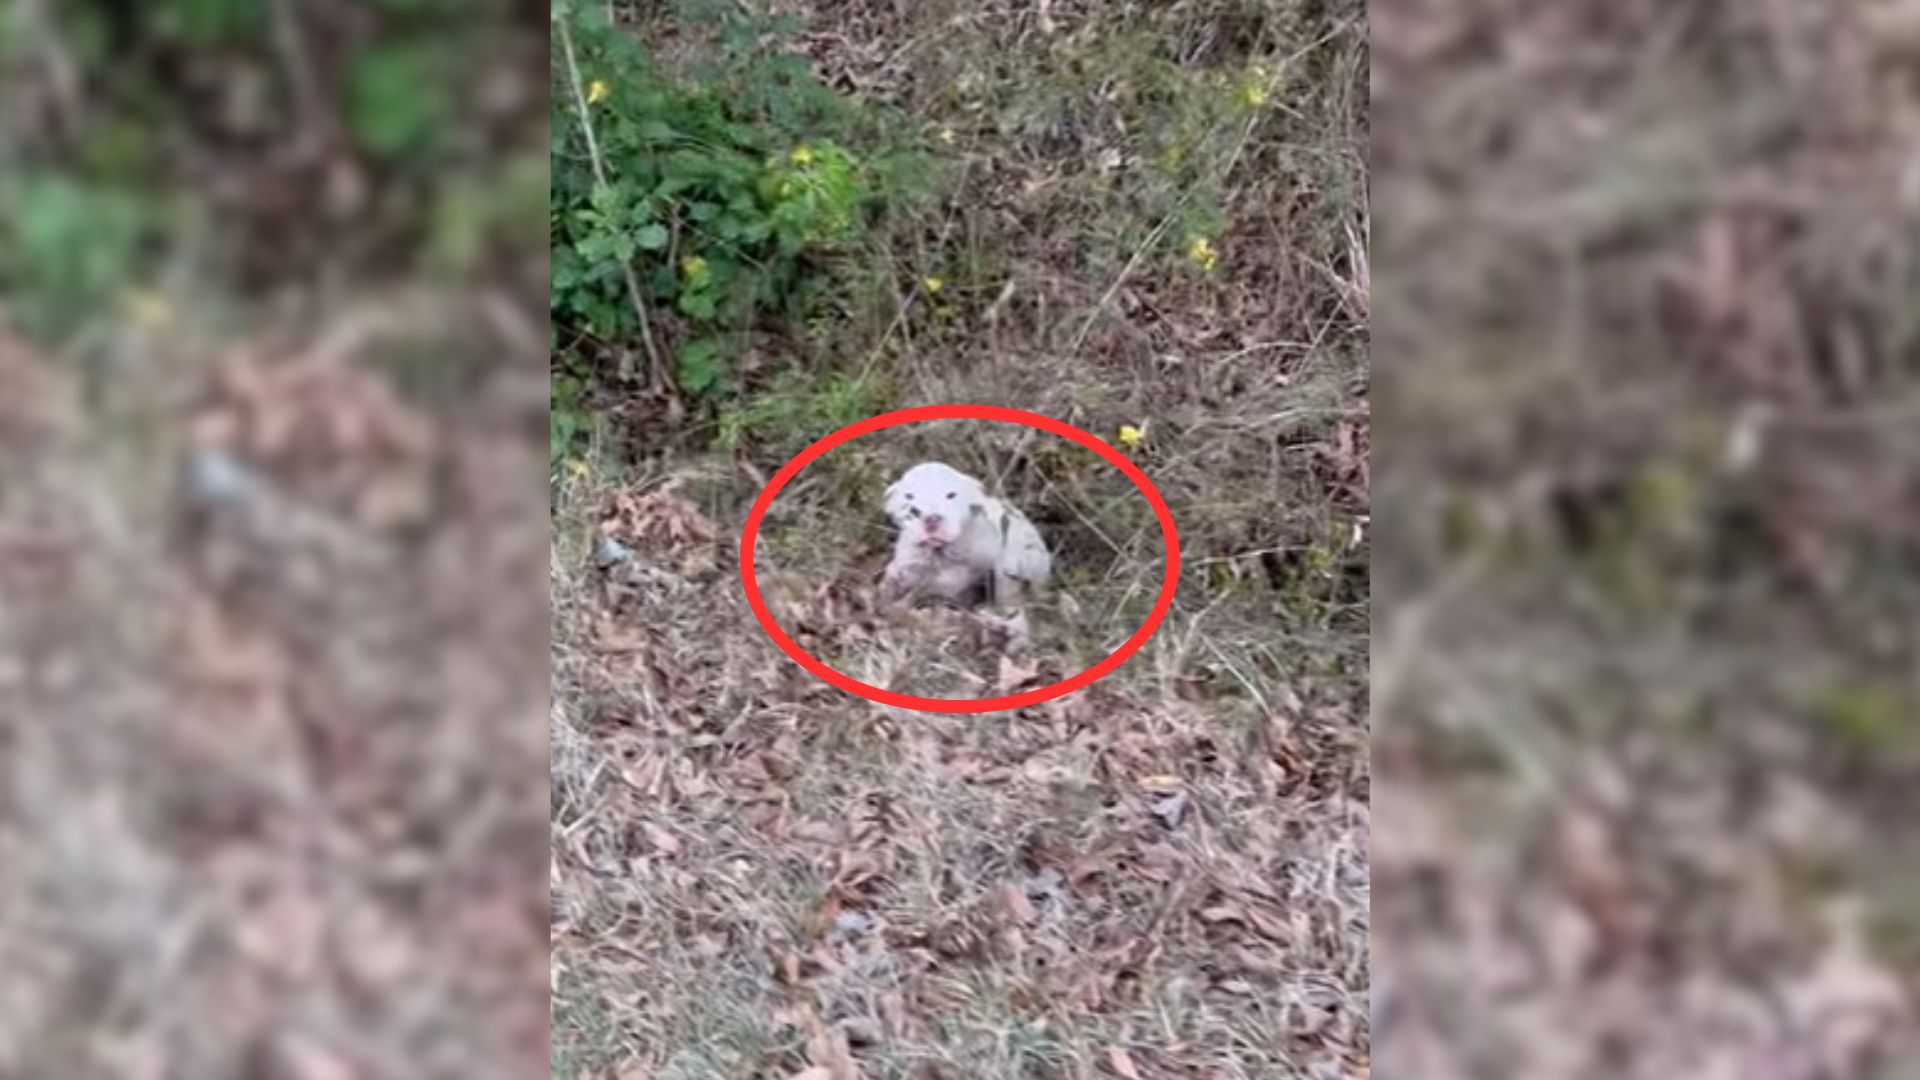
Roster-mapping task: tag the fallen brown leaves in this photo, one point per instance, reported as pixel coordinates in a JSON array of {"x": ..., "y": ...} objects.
[
  {"x": 891, "y": 878},
  {"x": 307, "y": 735},
  {"x": 328, "y": 432}
]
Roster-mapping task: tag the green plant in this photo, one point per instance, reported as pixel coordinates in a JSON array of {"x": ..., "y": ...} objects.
[
  {"x": 401, "y": 98},
  {"x": 1872, "y": 720},
  {"x": 204, "y": 23},
  {"x": 68, "y": 247},
  {"x": 567, "y": 417},
  {"x": 705, "y": 199},
  {"x": 92, "y": 206},
  {"x": 482, "y": 209},
  {"x": 797, "y": 410}
]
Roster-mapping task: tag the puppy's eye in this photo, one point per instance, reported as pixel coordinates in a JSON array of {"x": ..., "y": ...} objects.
[{"x": 951, "y": 494}]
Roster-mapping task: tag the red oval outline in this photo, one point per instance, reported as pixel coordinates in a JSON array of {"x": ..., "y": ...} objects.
[{"x": 750, "y": 534}]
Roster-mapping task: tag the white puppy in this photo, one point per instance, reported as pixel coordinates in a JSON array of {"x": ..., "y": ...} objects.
[{"x": 956, "y": 540}]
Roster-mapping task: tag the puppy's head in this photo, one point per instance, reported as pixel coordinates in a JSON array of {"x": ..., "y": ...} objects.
[{"x": 933, "y": 501}]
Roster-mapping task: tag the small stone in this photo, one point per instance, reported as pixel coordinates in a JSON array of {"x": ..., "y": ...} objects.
[
  {"x": 611, "y": 552},
  {"x": 851, "y": 923},
  {"x": 216, "y": 478}
]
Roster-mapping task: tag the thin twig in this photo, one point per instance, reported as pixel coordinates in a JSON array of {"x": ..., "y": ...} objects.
[
  {"x": 68, "y": 99},
  {"x": 657, "y": 369},
  {"x": 291, "y": 43}
]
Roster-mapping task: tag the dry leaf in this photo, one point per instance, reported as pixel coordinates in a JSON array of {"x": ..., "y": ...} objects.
[
  {"x": 1042, "y": 771},
  {"x": 611, "y": 637},
  {"x": 308, "y": 1060},
  {"x": 1014, "y": 899},
  {"x": 893, "y": 1013},
  {"x": 1269, "y": 926},
  {"x": 642, "y": 774},
  {"x": 813, "y": 831},
  {"x": 663, "y": 841},
  {"x": 1122, "y": 1063},
  {"x": 830, "y": 1052},
  {"x": 1086, "y": 867},
  {"x": 1012, "y": 675},
  {"x": 813, "y": 1072},
  {"x": 829, "y": 911},
  {"x": 1222, "y": 913}
]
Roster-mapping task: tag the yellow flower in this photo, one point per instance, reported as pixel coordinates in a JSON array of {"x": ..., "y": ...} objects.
[
  {"x": 577, "y": 467},
  {"x": 596, "y": 91},
  {"x": 1253, "y": 91},
  {"x": 801, "y": 156},
  {"x": 1201, "y": 253},
  {"x": 148, "y": 309},
  {"x": 694, "y": 268},
  {"x": 933, "y": 285},
  {"x": 1130, "y": 436},
  {"x": 946, "y": 135}
]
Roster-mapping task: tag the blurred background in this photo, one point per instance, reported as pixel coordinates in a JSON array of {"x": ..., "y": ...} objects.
[
  {"x": 272, "y": 619},
  {"x": 1649, "y": 540}
]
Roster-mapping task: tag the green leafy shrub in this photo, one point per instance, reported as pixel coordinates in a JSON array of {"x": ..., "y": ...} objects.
[
  {"x": 730, "y": 183},
  {"x": 96, "y": 200},
  {"x": 401, "y": 98},
  {"x": 68, "y": 247}
]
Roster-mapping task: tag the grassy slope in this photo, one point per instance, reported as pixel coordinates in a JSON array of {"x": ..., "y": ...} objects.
[{"x": 1165, "y": 873}]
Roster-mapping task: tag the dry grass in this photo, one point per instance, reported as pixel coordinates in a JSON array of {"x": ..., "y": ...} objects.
[
  {"x": 269, "y": 796},
  {"x": 1151, "y": 865},
  {"x": 271, "y": 531},
  {"x": 1648, "y": 560},
  {"x": 1164, "y": 875}
]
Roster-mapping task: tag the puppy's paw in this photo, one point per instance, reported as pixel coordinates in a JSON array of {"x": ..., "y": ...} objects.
[
  {"x": 1009, "y": 590},
  {"x": 898, "y": 579},
  {"x": 1018, "y": 635}
]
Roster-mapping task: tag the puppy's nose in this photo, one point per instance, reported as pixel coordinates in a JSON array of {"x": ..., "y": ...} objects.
[{"x": 933, "y": 521}]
